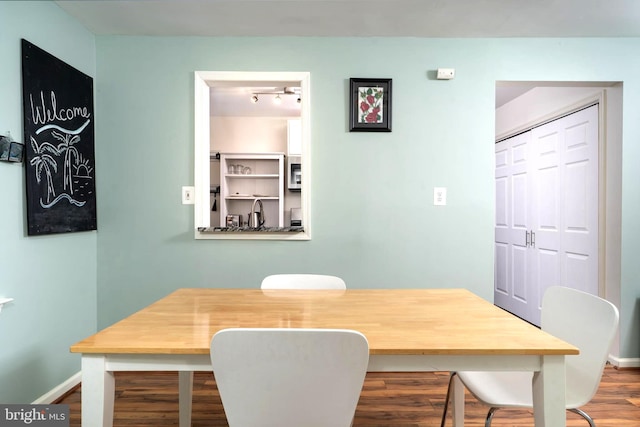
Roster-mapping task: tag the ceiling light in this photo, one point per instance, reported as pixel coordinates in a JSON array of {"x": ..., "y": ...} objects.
[{"x": 278, "y": 95}]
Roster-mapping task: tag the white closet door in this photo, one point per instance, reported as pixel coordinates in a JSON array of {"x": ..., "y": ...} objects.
[
  {"x": 547, "y": 185},
  {"x": 565, "y": 205},
  {"x": 513, "y": 224}
]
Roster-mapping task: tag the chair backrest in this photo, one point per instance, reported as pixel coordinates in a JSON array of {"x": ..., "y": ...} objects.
[
  {"x": 289, "y": 377},
  {"x": 588, "y": 322},
  {"x": 302, "y": 281}
]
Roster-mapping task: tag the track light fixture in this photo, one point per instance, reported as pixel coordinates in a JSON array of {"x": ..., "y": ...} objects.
[{"x": 278, "y": 95}]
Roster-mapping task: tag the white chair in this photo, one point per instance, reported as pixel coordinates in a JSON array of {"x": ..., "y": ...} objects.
[
  {"x": 302, "y": 281},
  {"x": 586, "y": 321},
  {"x": 289, "y": 377}
]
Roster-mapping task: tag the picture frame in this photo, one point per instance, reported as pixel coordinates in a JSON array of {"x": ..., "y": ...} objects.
[{"x": 369, "y": 105}]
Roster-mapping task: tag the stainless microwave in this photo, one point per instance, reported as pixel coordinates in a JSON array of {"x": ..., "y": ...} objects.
[{"x": 294, "y": 171}]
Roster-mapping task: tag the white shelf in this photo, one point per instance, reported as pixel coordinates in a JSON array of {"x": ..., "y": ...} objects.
[
  {"x": 266, "y": 177},
  {"x": 251, "y": 197},
  {"x": 251, "y": 175}
]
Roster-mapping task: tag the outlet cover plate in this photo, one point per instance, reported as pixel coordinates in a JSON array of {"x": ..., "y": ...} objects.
[{"x": 439, "y": 196}]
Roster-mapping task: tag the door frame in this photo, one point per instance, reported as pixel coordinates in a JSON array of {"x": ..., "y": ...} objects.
[{"x": 610, "y": 96}]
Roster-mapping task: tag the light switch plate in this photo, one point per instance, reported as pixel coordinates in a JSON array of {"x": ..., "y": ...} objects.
[
  {"x": 188, "y": 195},
  {"x": 439, "y": 196}
]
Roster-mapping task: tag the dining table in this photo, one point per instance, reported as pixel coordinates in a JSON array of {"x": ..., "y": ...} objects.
[{"x": 411, "y": 330}]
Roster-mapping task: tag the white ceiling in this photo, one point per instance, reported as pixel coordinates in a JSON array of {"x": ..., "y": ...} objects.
[
  {"x": 387, "y": 18},
  {"x": 236, "y": 101},
  {"x": 358, "y": 18}
]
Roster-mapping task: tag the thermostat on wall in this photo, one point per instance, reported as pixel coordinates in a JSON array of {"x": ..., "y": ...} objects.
[{"x": 446, "y": 73}]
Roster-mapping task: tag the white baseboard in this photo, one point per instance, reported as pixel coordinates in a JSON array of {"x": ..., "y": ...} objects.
[
  {"x": 59, "y": 391},
  {"x": 624, "y": 362}
]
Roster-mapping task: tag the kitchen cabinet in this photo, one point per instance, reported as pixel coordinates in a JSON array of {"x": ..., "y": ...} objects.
[{"x": 245, "y": 177}]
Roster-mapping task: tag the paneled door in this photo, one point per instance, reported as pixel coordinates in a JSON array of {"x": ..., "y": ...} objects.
[
  {"x": 513, "y": 224},
  {"x": 547, "y": 212}
]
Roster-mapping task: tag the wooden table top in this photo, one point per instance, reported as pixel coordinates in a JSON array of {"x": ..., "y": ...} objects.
[{"x": 395, "y": 322}]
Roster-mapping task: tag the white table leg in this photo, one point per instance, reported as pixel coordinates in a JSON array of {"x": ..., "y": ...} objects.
[
  {"x": 549, "y": 393},
  {"x": 457, "y": 400},
  {"x": 97, "y": 392},
  {"x": 185, "y": 390}
]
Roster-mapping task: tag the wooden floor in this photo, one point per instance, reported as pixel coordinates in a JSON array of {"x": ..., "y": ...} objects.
[{"x": 388, "y": 399}]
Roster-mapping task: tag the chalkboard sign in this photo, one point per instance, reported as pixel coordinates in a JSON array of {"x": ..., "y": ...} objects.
[{"x": 59, "y": 144}]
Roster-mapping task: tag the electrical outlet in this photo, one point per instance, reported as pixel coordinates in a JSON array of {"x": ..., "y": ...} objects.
[
  {"x": 439, "y": 196},
  {"x": 188, "y": 195}
]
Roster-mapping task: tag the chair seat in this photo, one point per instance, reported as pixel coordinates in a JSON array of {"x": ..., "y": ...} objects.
[
  {"x": 513, "y": 389},
  {"x": 504, "y": 389}
]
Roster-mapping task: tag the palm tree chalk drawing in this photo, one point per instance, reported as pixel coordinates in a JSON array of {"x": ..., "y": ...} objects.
[{"x": 42, "y": 161}]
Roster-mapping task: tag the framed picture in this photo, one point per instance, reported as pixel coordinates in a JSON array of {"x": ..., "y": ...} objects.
[{"x": 369, "y": 105}]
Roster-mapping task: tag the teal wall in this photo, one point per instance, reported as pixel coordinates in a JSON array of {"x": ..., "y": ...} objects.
[
  {"x": 373, "y": 219},
  {"x": 52, "y": 278},
  {"x": 374, "y": 222}
]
